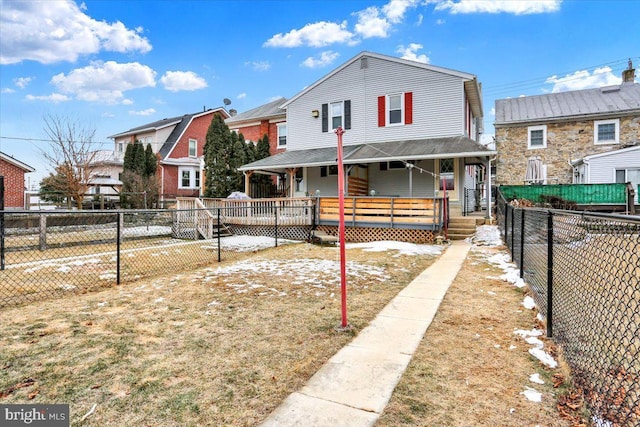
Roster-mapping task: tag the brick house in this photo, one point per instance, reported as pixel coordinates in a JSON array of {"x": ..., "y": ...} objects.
[
  {"x": 269, "y": 119},
  {"x": 178, "y": 143},
  {"x": 13, "y": 171},
  {"x": 557, "y": 130}
]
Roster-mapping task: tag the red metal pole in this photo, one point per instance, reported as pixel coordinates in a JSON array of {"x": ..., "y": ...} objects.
[
  {"x": 343, "y": 270},
  {"x": 444, "y": 207}
]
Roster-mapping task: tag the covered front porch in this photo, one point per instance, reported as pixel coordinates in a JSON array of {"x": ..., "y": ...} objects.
[{"x": 423, "y": 169}]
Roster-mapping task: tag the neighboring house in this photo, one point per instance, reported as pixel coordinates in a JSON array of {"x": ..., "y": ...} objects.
[
  {"x": 104, "y": 173},
  {"x": 267, "y": 119},
  {"x": 407, "y": 126},
  {"x": 551, "y": 132},
  {"x": 13, "y": 171},
  {"x": 617, "y": 166},
  {"x": 178, "y": 143}
]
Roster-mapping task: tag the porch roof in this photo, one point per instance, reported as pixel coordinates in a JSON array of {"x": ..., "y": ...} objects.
[{"x": 433, "y": 148}]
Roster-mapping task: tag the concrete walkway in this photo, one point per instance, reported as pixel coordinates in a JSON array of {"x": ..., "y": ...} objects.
[{"x": 354, "y": 386}]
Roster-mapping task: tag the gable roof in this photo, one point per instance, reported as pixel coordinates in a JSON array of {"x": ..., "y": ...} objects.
[
  {"x": 622, "y": 151},
  {"x": 179, "y": 130},
  {"x": 472, "y": 87},
  {"x": 12, "y": 160},
  {"x": 266, "y": 111},
  {"x": 166, "y": 122},
  {"x": 609, "y": 100}
]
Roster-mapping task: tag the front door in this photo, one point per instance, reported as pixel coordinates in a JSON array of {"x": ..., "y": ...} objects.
[{"x": 447, "y": 176}]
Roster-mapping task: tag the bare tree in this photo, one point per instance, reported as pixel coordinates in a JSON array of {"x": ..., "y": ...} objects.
[{"x": 69, "y": 155}]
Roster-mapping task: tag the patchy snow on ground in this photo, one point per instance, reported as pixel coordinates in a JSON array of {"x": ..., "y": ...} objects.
[
  {"x": 250, "y": 243},
  {"x": 529, "y": 303},
  {"x": 532, "y": 395},
  {"x": 147, "y": 230},
  {"x": 535, "y": 378},
  {"x": 403, "y": 248},
  {"x": 543, "y": 357},
  {"x": 486, "y": 235}
]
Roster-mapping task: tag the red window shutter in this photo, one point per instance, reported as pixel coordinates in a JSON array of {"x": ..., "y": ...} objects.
[
  {"x": 408, "y": 108},
  {"x": 382, "y": 113}
]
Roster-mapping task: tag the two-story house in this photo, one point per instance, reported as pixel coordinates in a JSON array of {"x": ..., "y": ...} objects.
[
  {"x": 268, "y": 119},
  {"x": 582, "y": 136},
  {"x": 410, "y": 129},
  {"x": 178, "y": 143},
  {"x": 13, "y": 170}
]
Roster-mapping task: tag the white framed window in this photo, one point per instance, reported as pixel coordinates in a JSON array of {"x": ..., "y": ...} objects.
[
  {"x": 193, "y": 148},
  {"x": 331, "y": 170},
  {"x": 188, "y": 177},
  {"x": 282, "y": 134},
  {"x": 395, "y": 109},
  {"x": 120, "y": 147},
  {"x": 606, "y": 131},
  {"x": 336, "y": 111},
  {"x": 537, "y": 137}
]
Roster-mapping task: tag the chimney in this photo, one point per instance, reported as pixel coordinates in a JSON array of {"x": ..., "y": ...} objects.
[{"x": 629, "y": 75}]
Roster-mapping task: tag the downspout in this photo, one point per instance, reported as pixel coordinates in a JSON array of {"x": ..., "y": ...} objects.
[
  {"x": 162, "y": 181},
  {"x": 488, "y": 189}
]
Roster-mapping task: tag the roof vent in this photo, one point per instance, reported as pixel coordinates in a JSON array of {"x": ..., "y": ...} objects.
[
  {"x": 609, "y": 89},
  {"x": 364, "y": 63}
]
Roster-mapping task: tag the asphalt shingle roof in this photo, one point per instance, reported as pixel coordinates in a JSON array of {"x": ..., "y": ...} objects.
[{"x": 262, "y": 112}]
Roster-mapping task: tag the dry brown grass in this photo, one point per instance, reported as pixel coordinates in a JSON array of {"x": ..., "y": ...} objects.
[
  {"x": 471, "y": 368},
  {"x": 198, "y": 348}
]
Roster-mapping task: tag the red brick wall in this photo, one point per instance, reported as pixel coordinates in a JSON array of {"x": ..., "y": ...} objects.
[
  {"x": 255, "y": 132},
  {"x": 13, "y": 185},
  {"x": 197, "y": 130}
]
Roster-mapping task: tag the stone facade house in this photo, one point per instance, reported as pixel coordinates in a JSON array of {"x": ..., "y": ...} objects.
[
  {"x": 178, "y": 142},
  {"x": 554, "y": 131},
  {"x": 13, "y": 171}
]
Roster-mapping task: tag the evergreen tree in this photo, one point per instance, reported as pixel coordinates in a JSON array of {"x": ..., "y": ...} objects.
[
  {"x": 151, "y": 162},
  {"x": 262, "y": 151},
  {"x": 218, "y": 159},
  {"x": 139, "y": 184}
]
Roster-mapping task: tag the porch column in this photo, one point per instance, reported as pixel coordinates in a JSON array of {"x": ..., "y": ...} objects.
[
  {"x": 247, "y": 181},
  {"x": 487, "y": 182},
  {"x": 292, "y": 180}
]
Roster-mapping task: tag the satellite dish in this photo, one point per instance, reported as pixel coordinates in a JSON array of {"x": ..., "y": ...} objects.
[{"x": 226, "y": 101}]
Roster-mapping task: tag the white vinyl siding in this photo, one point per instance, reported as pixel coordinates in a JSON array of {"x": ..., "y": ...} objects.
[{"x": 438, "y": 105}]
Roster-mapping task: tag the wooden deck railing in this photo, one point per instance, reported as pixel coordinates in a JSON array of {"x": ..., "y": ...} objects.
[
  {"x": 283, "y": 211},
  {"x": 383, "y": 211}
]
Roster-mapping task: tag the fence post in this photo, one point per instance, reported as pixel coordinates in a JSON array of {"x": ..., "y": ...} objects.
[
  {"x": 219, "y": 238},
  {"x": 276, "y": 224},
  {"x": 522, "y": 228},
  {"x": 550, "y": 275},
  {"x": 1, "y": 222},
  {"x": 513, "y": 229},
  {"x": 43, "y": 232},
  {"x": 119, "y": 221},
  {"x": 506, "y": 222}
]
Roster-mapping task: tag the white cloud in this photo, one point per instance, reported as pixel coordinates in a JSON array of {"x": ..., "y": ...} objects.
[
  {"x": 521, "y": 7},
  {"x": 324, "y": 59},
  {"x": 318, "y": 34},
  {"x": 242, "y": 95},
  {"x": 107, "y": 115},
  {"x": 410, "y": 52},
  {"x": 492, "y": 111},
  {"x": 104, "y": 82},
  {"x": 396, "y": 9},
  {"x": 440, "y": 21},
  {"x": 370, "y": 24},
  {"x": 54, "y": 98},
  {"x": 53, "y": 31},
  {"x": 259, "y": 65},
  {"x": 176, "y": 81},
  {"x": 584, "y": 80},
  {"x": 147, "y": 112},
  {"x": 7, "y": 90},
  {"x": 22, "y": 82}
]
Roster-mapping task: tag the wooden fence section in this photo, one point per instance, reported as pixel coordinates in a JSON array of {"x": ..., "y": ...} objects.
[
  {"x": 281, "y": 211},
  {"x": 383, "y": 211}
]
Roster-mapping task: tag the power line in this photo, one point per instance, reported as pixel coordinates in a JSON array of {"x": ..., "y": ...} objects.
[{"x": 18, "y": 138}]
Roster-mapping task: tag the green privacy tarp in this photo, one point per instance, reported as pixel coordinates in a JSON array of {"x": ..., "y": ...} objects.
[{"x": 582, "y": 194}]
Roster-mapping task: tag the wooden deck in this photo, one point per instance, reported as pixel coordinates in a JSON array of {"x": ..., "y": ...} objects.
[
  {"x": 403, "y": 212},
  {"x": 363, "y": 211}
]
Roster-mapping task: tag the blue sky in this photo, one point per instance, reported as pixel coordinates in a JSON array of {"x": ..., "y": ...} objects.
[{"x": 116, "y": 64}]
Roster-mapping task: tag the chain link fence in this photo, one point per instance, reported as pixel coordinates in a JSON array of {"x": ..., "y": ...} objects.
[
  {"x": 53, "y": 254},
  {"x": 584, "y": 272}
]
